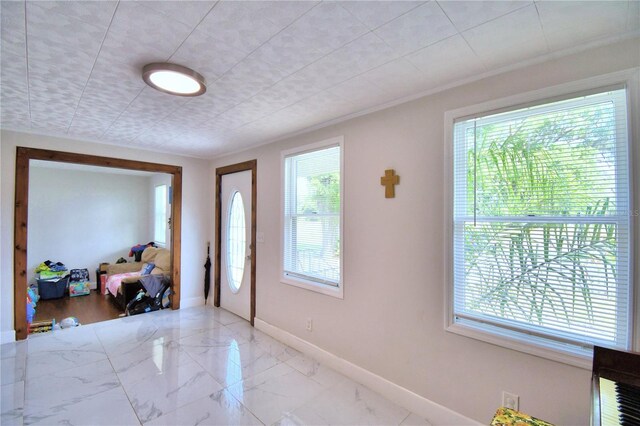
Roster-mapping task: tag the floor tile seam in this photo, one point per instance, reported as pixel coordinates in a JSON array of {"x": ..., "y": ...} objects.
[
  {"x": 24, "y": 371},
  {"x": 246, "y": 408},
  {"x": 119, "y": 384},
  {"x": 184, "y": 404},
  {"x": 24, "y": 396},
  {"x": 406, "y": 417},
  {"x": 126, "y": 394},
  {"x": 13, "y": 382},
  {"x": 142, "y": 379},
  {"x": 293, "y": 371},
  {"x": 278, "y": 362},
  {"x": 124, "y": 388},
  {"x": 324, "y": 389},
  {"x": 224, "y": 387},
  {"x": 253, "y": 361},
  {"x": 309, "y": 377},
  {"x": 61, "y": 370}
]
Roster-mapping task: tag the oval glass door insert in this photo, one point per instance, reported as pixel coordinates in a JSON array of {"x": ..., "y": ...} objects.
[{"x": 236, "y": 242}]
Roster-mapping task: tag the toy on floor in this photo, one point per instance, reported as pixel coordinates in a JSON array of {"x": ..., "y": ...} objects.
[
  {"x": 41, "y": 326},
  {"x": 69, "y": 322}
]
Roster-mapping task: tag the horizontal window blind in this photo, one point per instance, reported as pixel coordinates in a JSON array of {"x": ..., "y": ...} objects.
[
  {"x": 541, "y": 222},
  {"x": 312, "y": 216}
]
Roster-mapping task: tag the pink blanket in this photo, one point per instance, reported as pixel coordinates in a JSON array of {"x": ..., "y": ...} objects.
[{"x": 114, "y": 281}]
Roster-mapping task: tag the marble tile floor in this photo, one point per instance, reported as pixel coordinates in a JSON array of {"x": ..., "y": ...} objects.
[{"x": 200, "y": 365}]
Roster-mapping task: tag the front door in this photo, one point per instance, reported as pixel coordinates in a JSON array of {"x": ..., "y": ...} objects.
[{"x": 236, "y": 250}]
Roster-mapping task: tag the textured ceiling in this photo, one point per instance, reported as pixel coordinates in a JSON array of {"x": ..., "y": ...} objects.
[{"x": 273, "y": 67}]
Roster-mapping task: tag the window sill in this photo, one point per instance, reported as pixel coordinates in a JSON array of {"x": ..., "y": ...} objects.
[
  {"x": 325, "y": 289},
  {"x": 522, "y": 343}
]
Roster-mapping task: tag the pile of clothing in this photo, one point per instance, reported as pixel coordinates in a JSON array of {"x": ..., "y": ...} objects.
[
  {"x": 49, "y": 270},
  {"x": 138, "y": 249}
]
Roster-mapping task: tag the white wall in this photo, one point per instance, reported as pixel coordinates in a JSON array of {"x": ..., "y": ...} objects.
[
  {"x": 83, "y": 218},
  {"x": 196, "y": 212},
  {"x": 391, "y": 321}
]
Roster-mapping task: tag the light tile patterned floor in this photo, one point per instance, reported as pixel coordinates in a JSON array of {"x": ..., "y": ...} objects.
[{"x": 192, "y": 366}]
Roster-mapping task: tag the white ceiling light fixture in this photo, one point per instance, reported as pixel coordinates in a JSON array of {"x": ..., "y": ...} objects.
[{"x": 174, "y": 79}]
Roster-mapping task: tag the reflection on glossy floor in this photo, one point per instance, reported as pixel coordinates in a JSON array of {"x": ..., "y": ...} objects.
[{"x": 193, "y": 366}]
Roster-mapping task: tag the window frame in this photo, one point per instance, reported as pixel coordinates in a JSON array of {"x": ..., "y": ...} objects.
[
  {"x": 317, "y": 286},
  {"x": 629, "y": 79}
]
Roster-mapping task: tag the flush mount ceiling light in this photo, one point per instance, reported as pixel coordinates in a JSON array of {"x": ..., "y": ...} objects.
[{"x": 174, "y": 79}]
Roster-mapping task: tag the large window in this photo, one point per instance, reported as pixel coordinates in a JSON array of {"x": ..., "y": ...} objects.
[
  {"x": 541, "y": 242},
  {"x": 312, "y": 217}
]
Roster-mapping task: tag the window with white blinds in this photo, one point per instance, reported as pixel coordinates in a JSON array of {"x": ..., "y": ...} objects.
[
  {"x": 312, "y": 216},
  {"x": 541, "y": 244}
]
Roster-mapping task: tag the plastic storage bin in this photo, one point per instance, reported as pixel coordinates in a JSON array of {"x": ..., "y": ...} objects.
[{"x": 48, "y": 289}]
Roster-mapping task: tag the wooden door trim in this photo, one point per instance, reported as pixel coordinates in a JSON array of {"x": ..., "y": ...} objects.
[
  {"x": 23, "y": 156},
  {"x": 251, "y": 165}
]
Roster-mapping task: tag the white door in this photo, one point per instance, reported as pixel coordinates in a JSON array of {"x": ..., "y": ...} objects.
[{"x": 235, "y": 271}]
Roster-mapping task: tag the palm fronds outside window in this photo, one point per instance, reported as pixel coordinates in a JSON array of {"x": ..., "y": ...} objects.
[{"x": 541, "y": 223}]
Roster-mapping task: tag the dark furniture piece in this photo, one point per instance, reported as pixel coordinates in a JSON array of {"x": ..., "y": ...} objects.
[
  {"x": 615, "y": 388},
  {"x": 100, "y": 271},
  {"x": 129, "y": 291}
]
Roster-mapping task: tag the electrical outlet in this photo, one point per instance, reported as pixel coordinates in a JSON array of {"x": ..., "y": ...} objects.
[
  {"x": 309, "y": 324},
  {"x": 510, "y": 400}
]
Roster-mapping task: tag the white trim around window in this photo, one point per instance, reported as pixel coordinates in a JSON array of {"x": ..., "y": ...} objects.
[
  {"x": 331, "y": 285},
  {"x": 515, "y": 339}
]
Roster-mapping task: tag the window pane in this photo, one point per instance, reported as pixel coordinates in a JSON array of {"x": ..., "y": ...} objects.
[
  {"x": 317, "y": 247},
  {"x": 312, "y": 216},
  {"x": 549, "y": 162},
  {"x": 160, "y": 224},
  {"x": 559, "y": 276},
  {"x": 236, "y": 242}
]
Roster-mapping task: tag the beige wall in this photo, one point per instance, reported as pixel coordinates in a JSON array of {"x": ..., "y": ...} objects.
[
  {"x": 391, "y": 320},
  {"x": 196, "y": 212}
]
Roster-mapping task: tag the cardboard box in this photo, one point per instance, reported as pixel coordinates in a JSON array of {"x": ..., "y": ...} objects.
[{"x": 81, "y": 288}]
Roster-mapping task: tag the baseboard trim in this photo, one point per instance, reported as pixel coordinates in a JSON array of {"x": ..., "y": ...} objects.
[
  {"x": 435, "y": 413},
  {"x": 8, "y": 337},
  {"x": 191, "y": 302}
]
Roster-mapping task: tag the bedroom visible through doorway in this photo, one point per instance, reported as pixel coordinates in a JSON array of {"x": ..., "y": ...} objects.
[
  {"x": 89, "y": 228},
  {"x": 96, "y": 225}
]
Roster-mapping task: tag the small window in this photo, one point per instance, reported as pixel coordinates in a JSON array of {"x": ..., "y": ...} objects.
[
  {"x": 312, "y": 218},
  {"x": 160, "y": 208},
  {"x": 236, "y": 242},
  {"x": 541, "y": 229}
]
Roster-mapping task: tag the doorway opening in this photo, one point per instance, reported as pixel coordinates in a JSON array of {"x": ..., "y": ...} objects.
[{"x": 53, "y": 163}]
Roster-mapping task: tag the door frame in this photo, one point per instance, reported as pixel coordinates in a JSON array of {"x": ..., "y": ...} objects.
[
  {"x": 20, "y": 224},
  {"x": 251, "y": 165}
]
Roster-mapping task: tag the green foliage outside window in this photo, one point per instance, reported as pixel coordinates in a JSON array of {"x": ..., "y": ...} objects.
[{"x": 542, "y": 166}]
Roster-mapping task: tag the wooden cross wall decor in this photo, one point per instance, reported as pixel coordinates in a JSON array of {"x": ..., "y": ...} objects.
[{"x": 389, "y": 180}]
